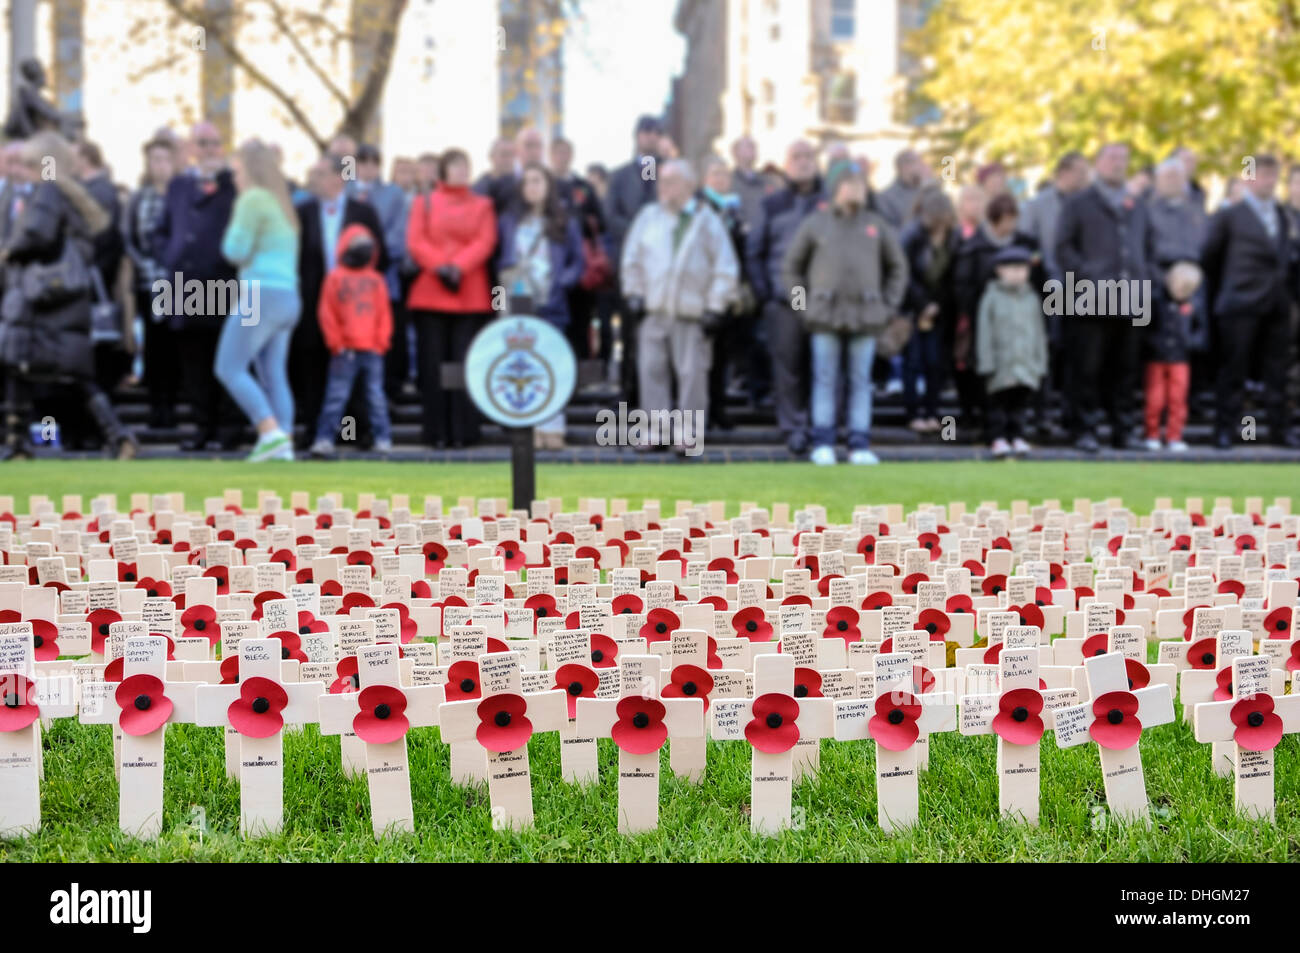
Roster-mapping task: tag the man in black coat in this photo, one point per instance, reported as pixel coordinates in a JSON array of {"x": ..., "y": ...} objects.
[
  {"x": 631, "y": 188},
  {"x": 1103, "y": 235},
  {"x": 765, "y": 246},
  {"x": 1248, "y": 260},
  {"x": 322, "y": 220},
  {"x": 194, "y": 218}
]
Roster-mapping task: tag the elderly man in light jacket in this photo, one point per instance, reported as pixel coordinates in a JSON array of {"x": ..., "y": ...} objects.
[{"x": 680, "y": 272}]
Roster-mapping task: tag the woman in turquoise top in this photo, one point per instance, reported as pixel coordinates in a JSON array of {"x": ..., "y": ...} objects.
[{"x": 262, "y": 242}]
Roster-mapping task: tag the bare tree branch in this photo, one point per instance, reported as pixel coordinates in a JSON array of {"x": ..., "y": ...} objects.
[{"x": 287, "y": 30}]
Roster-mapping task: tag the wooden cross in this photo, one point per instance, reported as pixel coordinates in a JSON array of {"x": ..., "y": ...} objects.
[
  {"x": 141, "y": 705},
  {"x": 501, "y": 722},
  {"x": 895, "y": 719},
  {"x": 772, "y": 722},
  {"x": 639, "y": 721},
  {"x": 258, "y": 707},
  {"x": 1253, "y": 721},
  {"x": 569, "y": 654},
  {"x": 1115, "y": 718},
  {"x": 690, "y": 677},
  {"x": 25, "y": 699},
  {"x": 1018, "y": 714},
  {"x": 1199, "y": 685},
  {"x": 381, "y": 714}
]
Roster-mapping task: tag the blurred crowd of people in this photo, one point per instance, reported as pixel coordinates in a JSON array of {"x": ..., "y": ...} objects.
[{"x": 798, "y": 291}]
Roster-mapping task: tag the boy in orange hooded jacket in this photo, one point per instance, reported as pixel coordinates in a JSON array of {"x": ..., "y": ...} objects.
[{"x": 356, "y": 322}]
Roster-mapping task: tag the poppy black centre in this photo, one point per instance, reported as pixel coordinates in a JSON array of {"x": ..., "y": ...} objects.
[
  {"x": 541, "y": 610},
  {"x": 285, "y": 563},
  {"x": 1114, "y": 716},
  {"x": 575, "y": 688},
  {"x": 597, "y": 655},
  {"x": 929, "y": 544},
  {"x": 640, "y": 719},
  {"x": 895, "y": 717},
  {"x": 152, "y": 593},
  {"x": 1281, "y": 625},
  {"x": 382, "y": 711},
  {"x": 931, "y": 628},
  {"x": 689, "y": 688},
  {"x": 1099, "y": 652},
  {"x": 200, "y": 625},
  {"x": 800, "y": 691},
  {"x": 502, "y": 719},
  {"x": 38, "y": 641},
  {"x": 661, "y": 627},
  {"x": 510, "y": 554},
  {"x": 143, "y": 702},
  {"x": 261, "y": 705},
  {"x": 11, "y": 700},
  {"x": 751, "y": 626},
  {"x": 774, "y": 720},
  {"x": 467, "y": 684},
  {"x": 627, "y": 610},
  {"x": 304, "y": 630},
  {"x": 1207, "y": 658},
  {"x": 1254, "y": 719},
  {"x": 842, "y": 625},
  {"x": 1130, "y": 683},
  {"x": 1020, "y": 713},
  {"x": 128, "y": 577}
]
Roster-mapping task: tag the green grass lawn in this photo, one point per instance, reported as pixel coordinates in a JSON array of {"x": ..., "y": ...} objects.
[{"x": 327, "y": 818}]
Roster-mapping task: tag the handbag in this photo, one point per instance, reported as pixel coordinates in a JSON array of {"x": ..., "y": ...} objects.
[
  {"x": 891, "y": 341},
  {"x": 598, "y": 271},
  {"x": 45, "y": 286},
  {"x": 105, "y": 314}
]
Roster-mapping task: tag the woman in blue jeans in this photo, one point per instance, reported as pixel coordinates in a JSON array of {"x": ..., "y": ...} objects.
[
  {"x": 852, "y": 274},
  {"x": 262, "y": 241}
]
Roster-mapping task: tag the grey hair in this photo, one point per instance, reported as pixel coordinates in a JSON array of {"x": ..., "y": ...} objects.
[
  {"x": 1171, "y": 165},
  {"x": 680, "y": 168}
]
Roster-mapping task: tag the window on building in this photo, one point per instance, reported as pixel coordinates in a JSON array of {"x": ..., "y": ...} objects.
[
  {"x": 843, "y": 19},
  {"x": 841, "y": 99}
]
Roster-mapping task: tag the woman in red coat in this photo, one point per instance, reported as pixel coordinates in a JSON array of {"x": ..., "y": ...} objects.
[{"x": 450, "y": 234}]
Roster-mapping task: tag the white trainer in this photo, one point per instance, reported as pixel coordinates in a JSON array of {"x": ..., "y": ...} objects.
[
  {"x": 1152, "y": 444},
  {"x": 823, "y": 456},
  {"x": 1020, "y": 446},
  {"x": 1177, "y": 446},
  {"x": 1000, "y": 447},
  {"x": 863, "y": 457}
]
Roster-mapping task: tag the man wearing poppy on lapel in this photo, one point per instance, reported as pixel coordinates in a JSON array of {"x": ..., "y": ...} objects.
[
  {"x": 193, "y": 220},
  {"x": 322, "y": 219}
]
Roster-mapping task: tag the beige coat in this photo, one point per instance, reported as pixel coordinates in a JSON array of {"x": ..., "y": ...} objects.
[{"x": 702, "y": 275}]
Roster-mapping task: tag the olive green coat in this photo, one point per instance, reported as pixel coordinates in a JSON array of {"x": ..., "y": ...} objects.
[{"x": 1010, "y": 340}]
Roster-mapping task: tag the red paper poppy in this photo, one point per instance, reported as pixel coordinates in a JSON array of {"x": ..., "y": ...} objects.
[
  {"x": 407, "y": 624},
  {"x": 1245, "y": 542},
  {"x": 1293, "y": 660},
  {"x": 588, "y": 552},
  {"x": 604, "y": 651},
  {"x": 1019, "y": 718},
  {"x": 462, "y": 681},
  {"x": 1043, "y": 597},
  {"x": 640, "y": 728},
  {"x": 1234, "y": 586},
  {"x": 354, "y": 599},
  {"x": 420, "y": 590},
  {"x": 1259, "y": 728},
  {"x": 1182, "y": 543},
  {"x": 1277, "y": 624},
  {"x": 1030, "y": 614},
  {"x": 45, "y": 640},
  {"x": 201, "y": 622},
  {"x": 1114, "y": 543},
  {"x": 155, "y": 588},
  {"x": 930, "y": 541},
  {"x": 992, "y": 585},
  {"x": 773, "y": 728},
  {"x": 1188, "y": 618},
  {"x": 842, "y": 623},
  {"x": 576, "y": 681},
  {"x": 711, "y": 659},
  {"x": 1115, "y": 724},
  {"x": 99, "y": 621},
  {"x": 669, "y": 555},
  {"x": 1139, "y": 676},
  {"x": 290, "y": 646},
  {"x": 303, "y": 576},
  {"x": 867, "y": 547},
  {"x": 510, "y": 551},
  {"x": 911, "y": 582},
  {"x": 435, "y": 558},
  {"x": 975, "y": 566},
  {"x": 144, "y": 706},
  {"x": 503, "y": 723},
  {"x": 993, "y": 654},
  {"x": 809, "y": 562},
  {"x": 1098, "y": 644},
  {"x": 222, "y": 575},
  {"x": 1223, "y": 684},
  {"x": 256, "y": 712},
  {"x": 688, "y": 681},
  {"x": 126, "y": 572},
  {"x": 660, "y": 625},
  {"x": 348, "y": 680},
  {"x": 626, "y": 604},
  {"x": 959, "y": 603},
  {"x": 807, "y": 683},
  {"x": 1202, "y": 654},
  {"x": 934, "y": 621},
  {"x": 923, "y": 680},
  {"x": 1000, "y": 542},
  {"x": 229, "y": 670},
  {"x": 1056, "y": 576},
  {"x": 750, "y": 623},
  {"x": 877, "y": 600},
  {"x": 723, "y": 564},
  {"x": 18, "y": 707},
  {"x": 894, "y": 726},
  {"x": 382, "y": 717}
]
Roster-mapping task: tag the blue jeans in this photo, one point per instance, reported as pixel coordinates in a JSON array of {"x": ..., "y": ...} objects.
[
  {"x": 265, "y": 345},
  {"x": 923, "y": 360},
  {"x": 344, "y": 368},
  {"x": 828, "y": 349}
]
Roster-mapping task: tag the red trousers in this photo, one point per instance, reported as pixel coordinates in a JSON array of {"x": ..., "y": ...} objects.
[{"x": 1166, "y": 390}]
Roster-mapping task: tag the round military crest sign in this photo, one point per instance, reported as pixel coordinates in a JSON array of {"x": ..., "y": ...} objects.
[{"x": 520, "y": 371}]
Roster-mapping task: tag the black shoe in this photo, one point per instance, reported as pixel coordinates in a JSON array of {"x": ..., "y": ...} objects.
[
  {"x": 797, "y": 444},
  {"x": 1222, "y": 440},
  {"x": 1087, "y": 443}
]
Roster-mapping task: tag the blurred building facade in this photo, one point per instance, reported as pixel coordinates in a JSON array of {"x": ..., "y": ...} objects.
[{"x": 779, "y": 70}]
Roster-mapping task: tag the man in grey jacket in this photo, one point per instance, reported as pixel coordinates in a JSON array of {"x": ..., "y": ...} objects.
[
  {"x": 1039, "y": 216},
  {"x": 896, "y": 202}
]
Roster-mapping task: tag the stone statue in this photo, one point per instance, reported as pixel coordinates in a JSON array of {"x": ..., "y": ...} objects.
[{"x": 30, "y": 111}]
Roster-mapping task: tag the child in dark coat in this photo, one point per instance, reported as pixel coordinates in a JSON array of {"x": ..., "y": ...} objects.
[{"x": 1175, "y": 331}]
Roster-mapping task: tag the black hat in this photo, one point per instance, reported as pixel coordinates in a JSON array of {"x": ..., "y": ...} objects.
[
  {"x": 368, "y": 153},
  {"x": 1012, "y": 255},
  {"x": 648, "y": 123}
]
